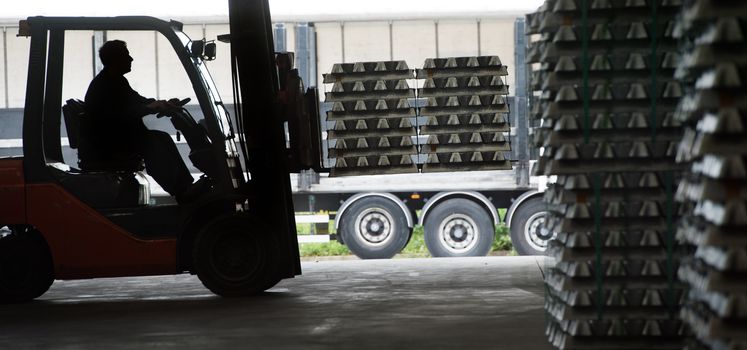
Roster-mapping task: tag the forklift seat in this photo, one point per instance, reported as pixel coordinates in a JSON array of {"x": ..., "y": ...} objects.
[
  {"x": 101, "y": 184},
  {"x": 74, "y": 112}
]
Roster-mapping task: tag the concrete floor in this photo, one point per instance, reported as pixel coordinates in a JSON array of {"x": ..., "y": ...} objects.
[{"x": 469, "y": 303}]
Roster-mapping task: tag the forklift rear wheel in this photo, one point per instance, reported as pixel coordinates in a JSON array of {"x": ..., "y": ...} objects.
[
  {"x": 458, "y": 227},
  {"x": 374, "y": 228},
  {"x": 26, "y": 270},
  {"x": 234, "y": 256}
]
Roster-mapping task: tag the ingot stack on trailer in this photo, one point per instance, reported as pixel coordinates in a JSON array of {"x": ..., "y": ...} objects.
[
  {"x": 608, "y": 133},
  {"x": 373, "y": 118},
  {"x": 715, "y": 188},
  {"x": 466, "y": 114}
]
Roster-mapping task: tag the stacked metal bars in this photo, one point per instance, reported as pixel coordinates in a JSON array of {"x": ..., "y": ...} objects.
[
  {"x": 715, "y": 189},
  {"x": 607, "y": 99},
  {"x": 466, "y": 114},
  {"x": 373, "y": 118}
]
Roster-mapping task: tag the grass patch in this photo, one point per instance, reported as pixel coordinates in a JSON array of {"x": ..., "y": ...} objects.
[
  {"x": 502, "y": 238},
  {"x": 416, "y": 246},
  {"x": 333, "y": 248}
]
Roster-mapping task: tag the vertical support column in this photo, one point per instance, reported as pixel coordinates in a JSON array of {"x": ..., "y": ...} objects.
[
  {"x": 5, "y": 66},
  {"x": 302, "y": 52},
  {"x": 157, "y": 65},
  {"x": 435, "y": 25},
  {"x": 280, "y": 37},
  {"x": 98, "y": 39},
  {"x": 312, "y": 56},
  {"x": 342, "y": 41},
  {"x": 521, "y": 105},
  {"x": 479, "y": 37}
]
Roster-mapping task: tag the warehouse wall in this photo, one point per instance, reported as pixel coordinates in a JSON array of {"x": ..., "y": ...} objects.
[
  {"x": 17, "y": 67},
  {"x": 157, "y": 73},
  {"x": 413, "y": 41}
]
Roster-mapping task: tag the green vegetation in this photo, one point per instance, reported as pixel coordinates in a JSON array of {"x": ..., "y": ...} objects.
[
  {"x": 333, "y": 248},
  {"x": 416, "y": 246}
]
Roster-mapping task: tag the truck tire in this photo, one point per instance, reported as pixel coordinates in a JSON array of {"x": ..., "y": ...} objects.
[
  {"x": 234, "y": 256},
  {"x": 526, "y": 227},
  {"x": 374, "y": 228},
  {"x": 26, "y": 270},
  {"x": 459, "y": 227}
]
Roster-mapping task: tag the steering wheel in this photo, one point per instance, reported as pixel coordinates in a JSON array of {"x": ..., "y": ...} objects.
[
  {"x": 174, "y": 111},
  {"x": 183, "y": 102}
]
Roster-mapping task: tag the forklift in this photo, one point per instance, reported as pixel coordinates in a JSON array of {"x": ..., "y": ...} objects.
[{"x": 59, "y": 222}]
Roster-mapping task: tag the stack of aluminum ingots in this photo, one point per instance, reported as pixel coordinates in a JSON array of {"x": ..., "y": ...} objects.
[
  {"x": 466, "y": 114},
  {"x": 714, "y": 34},
  {"x": 373, "y": 118},
  {"x": 608, "y": 132}
]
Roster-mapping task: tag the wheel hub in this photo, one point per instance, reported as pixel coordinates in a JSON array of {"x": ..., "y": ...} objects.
[
  {"x": 375, "y": 226},
  {"x": 235, "y": 257},
  {"x": 535, "y": 232},
  {"x": 458, "y": 233}
]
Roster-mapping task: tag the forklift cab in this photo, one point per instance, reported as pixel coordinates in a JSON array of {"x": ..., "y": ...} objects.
[
  {"x": 216, "y": 157},
  {"x": 59, "y": 222}
]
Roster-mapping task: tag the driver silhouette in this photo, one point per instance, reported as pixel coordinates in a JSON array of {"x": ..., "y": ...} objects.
[{"x": 113, "y": 136}]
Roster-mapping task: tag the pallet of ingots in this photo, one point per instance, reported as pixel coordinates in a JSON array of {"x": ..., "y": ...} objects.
[
  {"x": 713, "y": 36},
  {"x": 466, "y": 114},
  {"x": 615, "y": 278},
  {"x": 535, "y": 48},
  {"x": 607, "y": 95},
  {"x": 373, "y": 118}
]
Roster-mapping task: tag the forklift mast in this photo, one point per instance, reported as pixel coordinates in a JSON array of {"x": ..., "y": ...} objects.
[{"x": 260, "y": 125}]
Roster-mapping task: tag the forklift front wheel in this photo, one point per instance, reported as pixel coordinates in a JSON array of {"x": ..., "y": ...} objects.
[
  {"x": 234, "y": 256},
  {"x": 26, "y": 270}
]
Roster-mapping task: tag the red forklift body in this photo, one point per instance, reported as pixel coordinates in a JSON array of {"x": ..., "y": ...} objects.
[
  {"x": 12, "y": 191},
  {"x": 85, "y": 244}
]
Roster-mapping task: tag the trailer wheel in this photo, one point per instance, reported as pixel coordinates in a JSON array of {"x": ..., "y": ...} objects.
[
  {"x": 26, "y": 270},
  {"x": 459, "y": 227},
  {"x": 528, "y": 235},
  {"x": 234, "y": 256},
  {"x": 374, "y": 228}
]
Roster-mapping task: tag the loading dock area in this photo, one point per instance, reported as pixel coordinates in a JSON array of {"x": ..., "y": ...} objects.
[{"x": 454, "y": 303}]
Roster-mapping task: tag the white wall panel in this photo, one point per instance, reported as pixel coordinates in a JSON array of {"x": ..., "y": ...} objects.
[
  {"x": 497, "y": 38},
  {"x": 78, "y": 69},
  {"x": 367, "y": 41},
  {"x": 457, "y": 38},
  {"x": 329, "y": 49},
  {"x": 411, "y": 40},
  {"x": 290, "y": 37},
  {"x": 220, "y": 68},
  {"x": 414, "y": 41},
  {"x": 18, "y": 57},
  {"x": 141, "y": 45},
  {"x": 172, "y": 78},
  {"x": 5, "y": 33}
]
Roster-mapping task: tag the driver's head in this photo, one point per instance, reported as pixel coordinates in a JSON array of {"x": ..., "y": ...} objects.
[{"x": 115, "y": 56}]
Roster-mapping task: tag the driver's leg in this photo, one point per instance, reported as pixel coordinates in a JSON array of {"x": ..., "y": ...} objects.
[{"x": 164, "y": 164}]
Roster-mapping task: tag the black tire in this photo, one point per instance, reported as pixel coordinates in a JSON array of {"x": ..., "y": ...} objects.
[
  {"x": 235, "y": 256},
  {"x": 527, "y": 228},
  {"x": 26, "y": 270},
  {"x": 459, "y": 227},
  {"x": 374, "y": 228}
]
